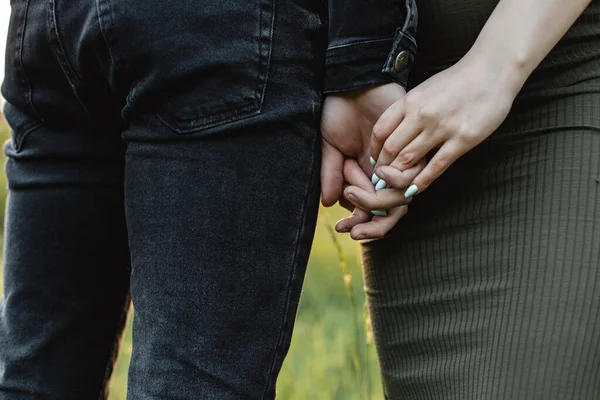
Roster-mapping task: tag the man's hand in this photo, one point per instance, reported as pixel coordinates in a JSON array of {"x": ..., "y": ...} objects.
[{"x": 346, "y": 125}]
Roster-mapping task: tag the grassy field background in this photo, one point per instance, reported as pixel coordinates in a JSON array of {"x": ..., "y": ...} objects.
[{"x": 330, "y": 357}]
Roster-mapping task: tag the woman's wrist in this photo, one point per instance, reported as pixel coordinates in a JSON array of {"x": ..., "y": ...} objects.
[{"x": 500, "y": 69}]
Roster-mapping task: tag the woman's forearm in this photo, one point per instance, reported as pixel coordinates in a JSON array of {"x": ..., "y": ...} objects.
[{"x": 520, "y": 33}]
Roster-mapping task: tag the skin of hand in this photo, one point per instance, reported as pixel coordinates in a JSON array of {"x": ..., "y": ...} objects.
[
  {"x": 361, "y": 193},
  {"x": 346, "y": 124},
  {"x": 431, "y": 116},
  {"x": 458, "y": 108}
]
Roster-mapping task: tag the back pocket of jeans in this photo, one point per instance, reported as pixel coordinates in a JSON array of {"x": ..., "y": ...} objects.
[{"x": 201, "y": 64}]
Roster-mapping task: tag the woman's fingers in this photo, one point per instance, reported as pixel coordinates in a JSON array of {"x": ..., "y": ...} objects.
[
  {"x": 440, "y": 162},
  {"x": 361, "y": 223},
  {"x": 416, "y": 150},
  {"x": 406, "y": 132},
  {"x": 381, "y": 200},
  {"x": 397, "y": 179},
  {"x": 378, "y": 227},
  {"x": 383, "y": 128}
]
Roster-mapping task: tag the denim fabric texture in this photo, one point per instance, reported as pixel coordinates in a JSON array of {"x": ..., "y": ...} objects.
[
  {"x": 166, "y": 152},
  {"x": 365, "y": 38}
]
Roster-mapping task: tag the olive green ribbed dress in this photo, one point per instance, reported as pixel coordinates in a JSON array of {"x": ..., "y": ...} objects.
[{"x": 489, "y": 289}]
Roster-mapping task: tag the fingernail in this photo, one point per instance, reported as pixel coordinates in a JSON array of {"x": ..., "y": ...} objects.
[
  {"x": 380, "y": 185},
  {"x": 374, "y": 179},
  {"x": 379, "y": 213},
  {"x": 344, "y": 230},
  {"x": 411, "y": 191},
  {"x": 372, "y": 161},
  {"x": 351, "y": 197}
]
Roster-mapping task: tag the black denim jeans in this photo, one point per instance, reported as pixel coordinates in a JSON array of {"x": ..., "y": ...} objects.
[{"x": 167, "y": 149}]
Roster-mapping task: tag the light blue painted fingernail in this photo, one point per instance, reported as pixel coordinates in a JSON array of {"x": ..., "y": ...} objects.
[
  {"x": 380, "y": 185},
  {"x": 411, "y": 191},
  {"x": 372, "y": 161},
  {"x": 379, "y": 213},
  {"x": 374, "y": 179}
]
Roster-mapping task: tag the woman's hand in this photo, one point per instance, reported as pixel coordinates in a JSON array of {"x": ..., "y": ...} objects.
[
  {"x": 454, "y": 111},
  {"x": 458, "y": 108}
]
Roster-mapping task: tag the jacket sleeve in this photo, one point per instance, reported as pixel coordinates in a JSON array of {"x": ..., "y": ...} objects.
[{"x": 371, "y": 42}]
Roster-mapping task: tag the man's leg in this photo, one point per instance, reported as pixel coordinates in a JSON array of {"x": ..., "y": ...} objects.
[
  {"x": 66, "y": 270},
  {"x": 221, "y": 190}
]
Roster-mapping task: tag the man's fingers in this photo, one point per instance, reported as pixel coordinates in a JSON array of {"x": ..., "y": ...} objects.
[
  {"x": 383, "y": 128},
  {"x": 346, "y": 204},
  {"x": 381, "y": 200},
  {"x": 440, "y": 162},
  {"x": 379, "y": 226},
  {"x": 332, "y": 176},
  {"x": 358, "y": 217},
  {"x": 354, "y": 175}
]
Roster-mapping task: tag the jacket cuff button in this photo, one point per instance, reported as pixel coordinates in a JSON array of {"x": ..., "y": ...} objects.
[{"x": 402, "y": 61}]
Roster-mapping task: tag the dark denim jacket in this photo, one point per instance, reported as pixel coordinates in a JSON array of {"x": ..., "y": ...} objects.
[{"x": 371, "y": 42}]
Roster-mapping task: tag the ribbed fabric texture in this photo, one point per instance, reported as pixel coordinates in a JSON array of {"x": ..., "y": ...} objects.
[{"x": 489, "y": 289}]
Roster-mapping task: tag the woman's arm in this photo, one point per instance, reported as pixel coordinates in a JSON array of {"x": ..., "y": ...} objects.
[
  {"x": 458, "y": 108},
  {"x": 520, "y": 33}
]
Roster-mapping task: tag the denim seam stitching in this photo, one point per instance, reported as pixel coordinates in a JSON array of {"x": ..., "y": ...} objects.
[
  {"x": 25, "y": 78},
  {"x": 301, "y": 228},
  {"x": 270, "y": 53},
  {"x": 20, "y": 138},
  {"x": 215, "y": 119},
  {"x": 59, "y": 49},
  {"x": 359, "y": 42},
  {"x": 103, "y": 31},
  {"x": 388, "y": 66},
  {"x": 223, "y": 109},
  {"x": 244, "y": 110},
  {"x": 408, "y": 19}
]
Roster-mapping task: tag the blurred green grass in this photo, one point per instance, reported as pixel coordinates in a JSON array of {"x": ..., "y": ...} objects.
[{"x": 329, "y": 358}]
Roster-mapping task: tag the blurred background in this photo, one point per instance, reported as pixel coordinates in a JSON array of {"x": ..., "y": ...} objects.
[{"x": 332, "y": 356}]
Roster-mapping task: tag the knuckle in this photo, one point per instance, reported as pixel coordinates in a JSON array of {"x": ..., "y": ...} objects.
[
  {"x": 382, "y": 201},
  {"x": 406, "y": 159},
  {"x": 379, "y": 132},
  {"x": 389, "y": 150},
  {"x": 396, "y": 178},
  {"x": 439, "y": 164},
  {"x": 467, "y": 134},
  {"x": 410, "y": 102},
  {"x": 426, "y": 113}
]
